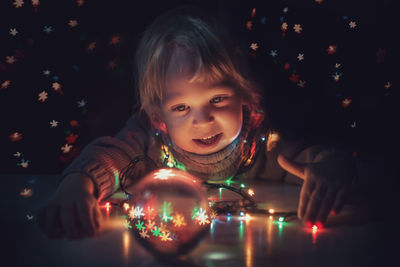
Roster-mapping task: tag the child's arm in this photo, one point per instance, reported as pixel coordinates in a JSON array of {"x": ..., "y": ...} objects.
[
  {"x": 102, "y": 159},
  {"x": 73, "y": 210}
]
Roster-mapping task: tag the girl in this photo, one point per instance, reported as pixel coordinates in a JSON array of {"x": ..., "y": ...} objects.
[{"x": 200, "y": 111}]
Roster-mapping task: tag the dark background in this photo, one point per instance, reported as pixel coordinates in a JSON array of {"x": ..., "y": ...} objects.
[{"x": 103, "y": 76}]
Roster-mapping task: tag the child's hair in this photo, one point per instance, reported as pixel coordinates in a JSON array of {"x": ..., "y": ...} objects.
[{"x": 195, "y": 31}]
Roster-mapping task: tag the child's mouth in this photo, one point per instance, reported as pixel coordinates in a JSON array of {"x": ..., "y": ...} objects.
[{"x": 209, "y": 141}]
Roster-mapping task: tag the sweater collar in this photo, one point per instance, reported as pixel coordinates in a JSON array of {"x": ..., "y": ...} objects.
[{"x": 224, "y": 163}]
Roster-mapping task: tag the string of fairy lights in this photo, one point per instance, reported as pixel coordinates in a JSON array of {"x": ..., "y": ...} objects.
[{"x": 151, "y": 223}]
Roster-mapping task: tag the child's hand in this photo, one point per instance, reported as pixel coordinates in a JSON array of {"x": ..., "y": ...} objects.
[
  {"x": 327, "y": 181},
  {"x": 73, "y": 210}
]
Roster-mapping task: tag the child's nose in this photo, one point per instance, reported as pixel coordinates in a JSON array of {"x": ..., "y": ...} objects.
[{"x": 203, "y": 116}]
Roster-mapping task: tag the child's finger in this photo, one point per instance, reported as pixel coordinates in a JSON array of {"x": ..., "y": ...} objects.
[
  {"x": 339, "y": 201},
  {"x": 85, "y": 219},
  {"x": 68, "y": 220},
  {"x": 292, "y": 167},
  {"x": 326, "y": 206},
  {"x": 305, "y": 194},
  {"x": 314, "y": 204}
]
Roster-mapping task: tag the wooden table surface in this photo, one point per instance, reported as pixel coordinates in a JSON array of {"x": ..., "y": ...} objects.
[{"x": 349, "y": 239}]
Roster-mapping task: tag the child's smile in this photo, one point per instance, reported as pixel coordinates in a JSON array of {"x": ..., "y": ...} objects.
[{"x": 209, "y": 141}]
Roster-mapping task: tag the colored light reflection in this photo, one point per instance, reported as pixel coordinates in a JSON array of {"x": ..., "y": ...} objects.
[
  {"x": 126, "y": 241},
  {"x": 108, "y": 207},
  {"x": 241, "y": 230},
  {"x": 281, "y": 225},
  {"x": 314, "y": 231},
  {"x": 269, "y": 236},
  {"x": 212, "y": 228},
  {"x": 218, "y": 256},
  {"x": 249, "y": 246},
  {"x": 228, "y": 217}
]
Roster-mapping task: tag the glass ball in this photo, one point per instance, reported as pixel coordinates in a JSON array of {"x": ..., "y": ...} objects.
[{"x": 168, "y": 212}]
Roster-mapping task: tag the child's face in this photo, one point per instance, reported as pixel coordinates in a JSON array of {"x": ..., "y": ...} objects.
[{"x": 200, "y": 117}]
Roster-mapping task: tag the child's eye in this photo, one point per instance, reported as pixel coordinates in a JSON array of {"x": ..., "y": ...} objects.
[
  {"x": 218, "y": 99},
  {"x": 180, "y": 108}
]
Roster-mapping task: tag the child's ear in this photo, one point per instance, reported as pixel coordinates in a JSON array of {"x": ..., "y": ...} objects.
[{"x": 158, "y": 123}]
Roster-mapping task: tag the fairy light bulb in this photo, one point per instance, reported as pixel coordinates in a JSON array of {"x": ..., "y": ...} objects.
[
  {"x": 250, "y": 192},
  {"x": 126, "y": 206},
  {"x": 107, "y": 206},
  {"x": 271, "y": 211}
]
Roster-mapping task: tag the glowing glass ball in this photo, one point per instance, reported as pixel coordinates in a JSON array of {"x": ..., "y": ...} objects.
[{"x": 168, "y": 212}]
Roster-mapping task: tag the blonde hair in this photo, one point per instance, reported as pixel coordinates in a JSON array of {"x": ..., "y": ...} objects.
[{"x": 192, "y": 29}]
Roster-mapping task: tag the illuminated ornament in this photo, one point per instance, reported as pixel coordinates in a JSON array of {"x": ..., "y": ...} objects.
[{"x": 169, "y": 212}]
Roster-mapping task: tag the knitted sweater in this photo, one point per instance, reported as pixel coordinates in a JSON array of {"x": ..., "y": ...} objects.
[{"x": 250, "y": 156}]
